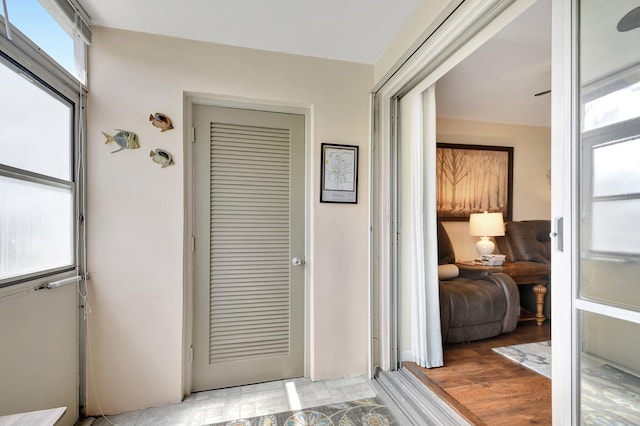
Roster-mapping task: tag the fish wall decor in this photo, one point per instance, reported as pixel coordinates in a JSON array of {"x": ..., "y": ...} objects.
[
  {"x": 162, "y": 157},
  {"x": 124, "y": 139},
  {"x": 161, "y": 121}
]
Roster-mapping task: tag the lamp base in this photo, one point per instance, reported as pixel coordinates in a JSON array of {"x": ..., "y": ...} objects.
[{"x": 485, "y": 246}]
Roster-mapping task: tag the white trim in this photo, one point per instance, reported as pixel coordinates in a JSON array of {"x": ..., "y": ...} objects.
[
  {"x": 371, "y": 313},
  {"x": 428, "y": 32},
  {"x": 607, "y": 310},
  {"x": 562, "y": 166},
  {"x": 34, "y": 284},
  {"x": 191, "y": 99}
]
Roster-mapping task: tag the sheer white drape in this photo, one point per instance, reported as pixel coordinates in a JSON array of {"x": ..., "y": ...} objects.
[{"x": 426, "y": 340}]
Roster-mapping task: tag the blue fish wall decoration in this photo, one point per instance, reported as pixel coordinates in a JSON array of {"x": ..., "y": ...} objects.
[{"x": 124, "y": 138}]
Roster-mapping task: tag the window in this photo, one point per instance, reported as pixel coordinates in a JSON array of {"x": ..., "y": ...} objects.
[
  {"x": 36, "y": 179},
  {"x": 41, "y": 143},
  {"x": 58, "y": 27},
  {"x": 614, "y": 107},
  {"x": 613, "y": 202}
]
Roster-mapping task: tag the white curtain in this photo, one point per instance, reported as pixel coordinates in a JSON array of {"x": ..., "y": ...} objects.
[{"x": 426, "y": 340}]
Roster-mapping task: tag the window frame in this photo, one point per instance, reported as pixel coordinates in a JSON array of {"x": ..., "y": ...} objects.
[
  {"x": 26, "y": 176},
  {"x": 592, "y": 139},
  {"x": 74, "y": 21},
  {"x": 21, "y": 55}
]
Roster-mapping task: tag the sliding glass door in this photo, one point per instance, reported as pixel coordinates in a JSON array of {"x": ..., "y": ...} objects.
[{"x": 606, "y": 213}]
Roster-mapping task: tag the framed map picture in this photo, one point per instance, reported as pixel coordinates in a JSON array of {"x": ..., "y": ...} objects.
[{"x": 339, "y": 180}]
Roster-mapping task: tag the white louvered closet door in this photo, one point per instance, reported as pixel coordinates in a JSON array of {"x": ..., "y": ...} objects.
[{"x": 248, "y": 225}]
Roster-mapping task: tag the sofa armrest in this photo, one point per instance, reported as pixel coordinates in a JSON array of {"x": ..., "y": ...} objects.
[
  {"x": 513, "y": 299},
  {"x": 474, "y": 272}
]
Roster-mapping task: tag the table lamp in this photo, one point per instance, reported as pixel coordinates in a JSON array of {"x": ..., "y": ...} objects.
[{"x": 485, "y": 225}]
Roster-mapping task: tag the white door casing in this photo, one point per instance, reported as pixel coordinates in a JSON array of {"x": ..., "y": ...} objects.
[{"x": 249, "y": 183}]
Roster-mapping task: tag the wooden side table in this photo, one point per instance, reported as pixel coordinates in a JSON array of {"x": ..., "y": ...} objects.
[{"x": 524, "y": 273}]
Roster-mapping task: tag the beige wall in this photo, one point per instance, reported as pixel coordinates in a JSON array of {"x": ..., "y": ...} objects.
[
  {"x": 39, "y": 351},
  {"x": 136, "y": 210},
  {"x": 412, "y": 30},
  {"x": 531, "y": 165}
]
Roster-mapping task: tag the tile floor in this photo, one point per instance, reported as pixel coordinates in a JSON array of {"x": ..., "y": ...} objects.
[{"x": 221, "y": 405}]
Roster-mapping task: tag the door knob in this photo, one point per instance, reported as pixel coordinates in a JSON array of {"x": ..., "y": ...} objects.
[{"x": 296, "y": 261}]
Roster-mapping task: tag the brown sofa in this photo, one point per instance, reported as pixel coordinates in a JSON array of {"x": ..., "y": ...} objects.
[
  {"x": 475, "y": 304},
  {"x": 529, "y": 241}
]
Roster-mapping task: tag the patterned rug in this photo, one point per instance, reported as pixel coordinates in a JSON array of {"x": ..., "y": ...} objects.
[
  {"x": 610, "y": 397},
  {"x": 364, "y": 412},
  {"x": 534, "y": 356}
]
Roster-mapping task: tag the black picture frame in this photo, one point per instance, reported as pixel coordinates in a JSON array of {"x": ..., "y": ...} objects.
[
  {"x": 339, "y": 174},
  {"x": 473, "y": 179}
]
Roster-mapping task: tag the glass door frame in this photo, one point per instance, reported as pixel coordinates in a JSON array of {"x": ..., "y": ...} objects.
[
  {"x": 567, "y": 304},
  {"x": 563, "y": 134}
]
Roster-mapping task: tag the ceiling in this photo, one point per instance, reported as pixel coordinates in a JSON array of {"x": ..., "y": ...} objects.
[
  {"x": 347, "y": 30},
  {"x": 496, "y": 83}
]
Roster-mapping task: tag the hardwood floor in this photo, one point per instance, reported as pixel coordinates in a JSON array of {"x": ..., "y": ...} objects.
[{"x": 487, "y": 388}]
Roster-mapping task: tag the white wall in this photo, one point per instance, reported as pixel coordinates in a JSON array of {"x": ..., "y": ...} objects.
[
  {"x": 531, "y": 166},
  {"x": 136, "y": 210}
]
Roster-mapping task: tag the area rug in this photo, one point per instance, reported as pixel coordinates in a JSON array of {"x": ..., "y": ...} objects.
[
  {"x": 534, "y": 356},
  {"x": 363, "y": 412},
  {"x": 609, "y": 397}
]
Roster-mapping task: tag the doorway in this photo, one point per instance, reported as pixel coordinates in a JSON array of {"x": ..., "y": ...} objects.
[
  {"x": 249, "y": 243},
  {"x": 437, "y": 56},
  {"x": 466, "y": 114}
]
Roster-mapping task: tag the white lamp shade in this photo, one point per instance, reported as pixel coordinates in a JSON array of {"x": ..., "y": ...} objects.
[{"x": 486, "y": 224}]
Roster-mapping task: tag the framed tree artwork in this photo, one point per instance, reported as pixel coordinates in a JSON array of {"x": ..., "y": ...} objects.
[{"x": 473, "y": 179}]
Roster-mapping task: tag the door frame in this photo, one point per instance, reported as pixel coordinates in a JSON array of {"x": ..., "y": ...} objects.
[
  {"x": 563, "y": 201},
  {"x": 189, "y": 100},
  {"x": 466, "y": 26},
  {"x": 565, "y": 206},
  {"x": 442, "y": 44}
]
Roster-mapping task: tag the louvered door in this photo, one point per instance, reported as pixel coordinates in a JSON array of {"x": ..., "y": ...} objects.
[{"x": 249, "y": 225}]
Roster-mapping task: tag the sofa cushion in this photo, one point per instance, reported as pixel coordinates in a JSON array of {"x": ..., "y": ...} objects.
[
  {"x": 529, "y": 240},
  {"x": 473, "y": 302}
]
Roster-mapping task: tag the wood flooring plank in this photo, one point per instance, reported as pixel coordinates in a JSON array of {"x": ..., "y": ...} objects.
[
  {"x": 488, "y": 388},
  {"x": 453, "y": 403}
]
